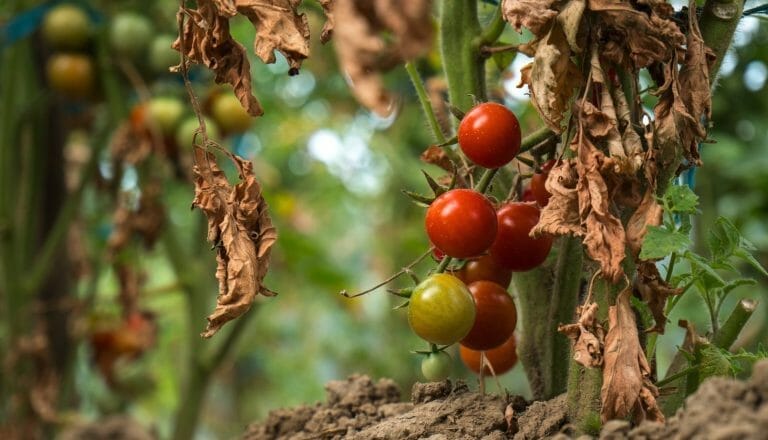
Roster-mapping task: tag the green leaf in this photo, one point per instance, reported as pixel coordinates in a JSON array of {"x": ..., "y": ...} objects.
[
  {"x": 680, "y": 199},
  {"x": 749, "y": 258},
  {"x": 504, "y": 59},
  {"x": 738, "y": 282},
  {"x": 660, "y": 242},
  {"x": 714, "y": 362},
  {"x": 723, "y": 239},
  {"x": 700, "y": 262}
]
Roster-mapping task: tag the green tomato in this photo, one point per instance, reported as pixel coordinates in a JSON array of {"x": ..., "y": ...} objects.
[
  {"x": 186, "y": 131},
  {"x": 130, "y": 34},
  {"x": 165, "y": 113},
  {"x": 230, "y": 114},
  {"x": 66, "y": 26},
  {"x": 162, "y": 55},
  {"x": 441, "y": 309},
  {"x": 436, "y": 366}
]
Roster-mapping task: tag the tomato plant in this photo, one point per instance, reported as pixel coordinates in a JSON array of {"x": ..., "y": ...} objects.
[
  {"x": 230, "y": 114},
  {"x": 66, "y": 26},
  {"x": 70, "y": 74},
  {"x": 489, "y": 135},
  {"x": 501, "y": 358},
  {"x": 538, "y": 189},
  {"x": 513, "y": 248},
  {"x": 436, "y": 366},
  {"x": 461, "y": 223},
  {"x": 495, "y": 319},
  {"x": 441, "y": 309},
  {"x": 484, "y": 268}
]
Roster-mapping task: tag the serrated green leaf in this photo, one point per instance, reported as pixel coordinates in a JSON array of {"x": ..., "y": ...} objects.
[
  {"x": 660, "y": 242},
  {"x": 700, "y": 262},
  {"x": 738, "y": 282},
  {"x": 504, "y": 59},
  {"x": 714, "y": 362},
  {"x": 749, "y": 258},
  {"x": 723, "y": 239},
  {"x": 680, "y": 199}
]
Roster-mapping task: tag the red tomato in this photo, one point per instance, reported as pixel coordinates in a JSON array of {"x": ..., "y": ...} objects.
[
  {"x": 528, "y": 195},
  {"x": 495, "y": 319},
  {"x": 461, "y": 223},
  {"x": 501, "y": 358},
  {"x": 513, "y": 248},
  {"x": 489, "y": 135},
  {"x": 538, "y": 189},
  {"x": 484, "y": 268}
]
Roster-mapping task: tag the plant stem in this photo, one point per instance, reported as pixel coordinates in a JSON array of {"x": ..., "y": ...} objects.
[
  {"x": 191, "y": 403},
  {"x": 730, "y": 330},
  {"x": 718, "y": 23},
  {"x": 535, "y": 138},
  {"x": 426, "y": 105},
  {"x": 464, "y": 67},
  {"x": 543, "y": 351},
  {"x": 494, "y": 29}
]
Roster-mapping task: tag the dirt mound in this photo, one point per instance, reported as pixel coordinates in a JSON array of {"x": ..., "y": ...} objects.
[{"x": 358, "y": 408}]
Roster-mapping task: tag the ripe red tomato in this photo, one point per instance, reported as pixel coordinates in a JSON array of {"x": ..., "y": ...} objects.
[
  {"x": 513, "y": 248},
  {"x": 461, "y": 223},
  {"x": 495, "y": 319},
  {"x": 528, "y": 195},
  {"x": 501, "y": 358},
  {"x": 66, "y": 26},
  {"x": 489, "y": 135},
  {"x": 538, "y": 189},
  {"x": 72, "y": 75},
  {"x": 484, "y": 268},
  {"x": 441, "y": 309}
]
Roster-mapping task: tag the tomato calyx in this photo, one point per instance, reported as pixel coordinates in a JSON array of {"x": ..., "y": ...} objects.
[
  {"x": 437, "y": 189},
  {"x": 433, "y": 348}
]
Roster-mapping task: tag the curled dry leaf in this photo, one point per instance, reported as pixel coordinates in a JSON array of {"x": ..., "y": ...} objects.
[
  {"x": 241, "y": 230},
  {"x": 561, "y": 215},
  {"x": 587, "y": 336},
  {"x": 535, "y": 15},
  {"x": 627, "y": 388},
  {"x": 654, "y": 291},
  {"x": 146, "y": 220},
  {"x": 372, "y": 36},
  {"x": 648, "y": 213},
  {"x": 551, "y": 77}
]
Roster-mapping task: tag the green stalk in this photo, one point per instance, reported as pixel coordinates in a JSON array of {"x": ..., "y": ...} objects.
[
  {"x": 738, "y": 318},
  {"x": 426, "y": 106},
  {"x": 464, "y": 67},
  {"x": 547, "y": 296},
  {"x": 718, "y": 23}
]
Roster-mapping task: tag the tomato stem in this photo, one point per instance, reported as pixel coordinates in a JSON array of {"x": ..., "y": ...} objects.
[{"x": 426, "y": 105}]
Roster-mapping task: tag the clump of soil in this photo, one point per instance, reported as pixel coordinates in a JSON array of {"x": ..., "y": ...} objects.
[{"x": 358, "y": 408}]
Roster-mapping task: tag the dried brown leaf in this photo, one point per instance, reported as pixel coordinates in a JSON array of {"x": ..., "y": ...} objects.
[
  {"x": 536, "y": 15},
  {"x": 436, "y": 156},
  {"x": 207, "y": 41},
  {"x": 605, "y": 238},
  {"x": 654, "y": 291},
  {"x": 587, "y": 336},
  {"x": 279, "y": 27},
  {"x": 241, "y": 230},
  {"x": 627, "y": 388},
  {"x": 330, "y": 20},
  {"x": 570, "y": 19},
  {"x": 561, "y": 215},
  {"x": 372, "y": 36},
  {"x": 648, "y": 213},
  {"x": 635, "y": 38},
  {"x": 551, "y": 77},
  {"x": 146, "y": 220}
]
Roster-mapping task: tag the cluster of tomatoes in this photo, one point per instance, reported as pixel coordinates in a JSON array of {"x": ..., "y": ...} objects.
[{"x": 471, "y": 305}]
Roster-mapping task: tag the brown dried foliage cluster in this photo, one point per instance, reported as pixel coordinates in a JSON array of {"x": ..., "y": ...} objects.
[
  {"x": 605, "y": 192},
  {"x": 241, "y": 230},
  {"x": 371, "y": 36}
]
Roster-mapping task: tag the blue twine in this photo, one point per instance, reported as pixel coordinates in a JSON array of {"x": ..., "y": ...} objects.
[{"x": 26, "y": 23}]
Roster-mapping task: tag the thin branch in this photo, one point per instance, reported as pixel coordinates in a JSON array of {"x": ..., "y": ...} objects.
[
  {"x": 396, "y": 275},
  {"x": 426, "y": 105}
]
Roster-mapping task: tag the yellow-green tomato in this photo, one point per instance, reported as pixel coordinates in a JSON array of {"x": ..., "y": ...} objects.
[
  {"x": 441, "y": 309},
  {"x": 66, "y": 26},
  {"x": 186, "y": 132},
  {"x": 130, "y": 34},
  {"x": 161, "y": 55},
  {"x": 165, "y": 113},
  {"x": 230, "y": 114},
  {"x": 436, "y": 366}
]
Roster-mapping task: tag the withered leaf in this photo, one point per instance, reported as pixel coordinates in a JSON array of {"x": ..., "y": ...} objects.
[
  {"x": 373, "y": 36},
  {"x": 648, "y": 213},
  {"x": 561, "y": 215},
  {"x": 551, "y": 77},
  {"x": 605, "y": 238},
  {"x": 145, "y": 221},
  {"x": 535, "y": 15},
  {"x": 654, "y": 291},
  {"x": 280, "y": 27},
  {"x": 627, "y": 388},
  {"x": 587, "y": 336},
  {"x": 240, "y": 227}
]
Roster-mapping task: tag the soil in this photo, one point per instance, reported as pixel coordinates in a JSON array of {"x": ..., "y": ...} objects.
[{"x": 361, "y": 409}]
